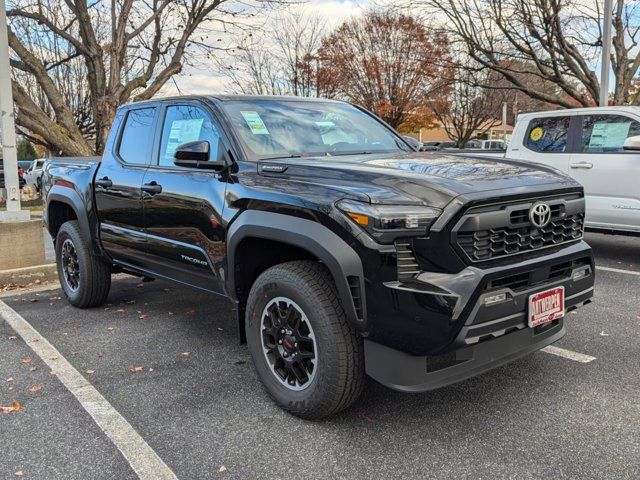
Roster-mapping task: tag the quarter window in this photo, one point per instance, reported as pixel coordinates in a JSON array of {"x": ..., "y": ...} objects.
[
  {"x": 548, "y": 135},
  {"x": 184, "y": 124},
  {"x": 137, "y": 136},
  {"x": 607, "y": 133}
]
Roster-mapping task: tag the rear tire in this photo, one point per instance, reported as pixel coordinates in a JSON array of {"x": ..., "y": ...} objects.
[
  {"x": 85, "y": 278},
  {"x": 306, "y": 355}
]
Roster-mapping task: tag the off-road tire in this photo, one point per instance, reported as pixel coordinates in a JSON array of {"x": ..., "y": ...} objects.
[
  {"x": 94, "y": 274},
  {"x": 340, "y": 375}
]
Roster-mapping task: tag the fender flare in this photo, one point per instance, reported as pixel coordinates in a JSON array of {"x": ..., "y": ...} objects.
[
  {"x": 71, "y": 198},
  {"x": 343, "y": 262}
]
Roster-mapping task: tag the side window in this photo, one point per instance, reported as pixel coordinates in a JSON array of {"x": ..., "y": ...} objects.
[
  {"x": 606, "y": 133},
  {"x": 183, "y": 124},
  {"x": 547, "y": 135},
  {"x": 137, "y": 136}
]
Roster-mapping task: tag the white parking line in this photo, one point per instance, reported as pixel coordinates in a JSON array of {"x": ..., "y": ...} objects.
[
  {"x": 143, "y": 460},
  {"x": 575, "y": 356},
  {"x": 619, "y": 270}
]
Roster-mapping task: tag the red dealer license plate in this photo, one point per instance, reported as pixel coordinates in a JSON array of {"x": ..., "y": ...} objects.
[{"x": 545, "y": 307}]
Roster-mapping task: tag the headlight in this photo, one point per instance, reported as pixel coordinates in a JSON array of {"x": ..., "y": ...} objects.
[{"x": 386, "y": 222}]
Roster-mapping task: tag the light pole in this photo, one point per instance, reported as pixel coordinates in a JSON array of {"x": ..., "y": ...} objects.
[
  {"x": 10, "y": 161},
  {"x": 605, "y": 64}
]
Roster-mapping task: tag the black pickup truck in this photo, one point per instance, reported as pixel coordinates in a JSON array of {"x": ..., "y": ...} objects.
[{"x": 344, "y": 251}]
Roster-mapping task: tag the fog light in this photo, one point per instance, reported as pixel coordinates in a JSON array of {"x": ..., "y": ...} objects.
[
  {"x": 579, "y": 274},
  {"x": 497, "y": 298}
]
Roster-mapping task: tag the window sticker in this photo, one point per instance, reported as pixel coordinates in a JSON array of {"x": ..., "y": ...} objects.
[
  {"x": 183, "y": 131},
  {"x": 608, "y": 135},
  {"x": 536, "y": 134},
  {"x": 255, "y": 123}
]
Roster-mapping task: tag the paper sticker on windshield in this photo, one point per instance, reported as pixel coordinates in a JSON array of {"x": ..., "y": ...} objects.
[
  {"x": 609, "y": 135},
  {"x": 183, "y": 131},
  {"x": 255, "y": 123},
  {"x": 536, "y": 134}
]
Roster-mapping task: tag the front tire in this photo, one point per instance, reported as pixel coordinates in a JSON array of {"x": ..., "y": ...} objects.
[
  {"x": 85, "y": 278},
  {"x": 306, "y": 355}
]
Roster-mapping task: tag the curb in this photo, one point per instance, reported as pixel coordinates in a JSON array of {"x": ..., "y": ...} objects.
[{"x": 23, "y": 276}]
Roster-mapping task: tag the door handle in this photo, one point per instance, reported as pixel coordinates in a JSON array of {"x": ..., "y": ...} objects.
[
  {"x": 582, "y": 165},
  {"x": 104, "y": 182},
  {"x": 152, "y": 188}
]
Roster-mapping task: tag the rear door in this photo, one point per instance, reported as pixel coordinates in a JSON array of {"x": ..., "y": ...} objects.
[
  {"x": 183, "y": 206},
  {"x": 610, "y": 175},
  {"x": 545, "y": 140},
  {"x": 118, "y": 184}
]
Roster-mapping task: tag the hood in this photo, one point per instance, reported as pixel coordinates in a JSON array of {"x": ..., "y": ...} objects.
[{"x": 418, "y": 177}]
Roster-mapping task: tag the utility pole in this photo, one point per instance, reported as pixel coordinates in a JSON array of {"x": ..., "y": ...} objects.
[
  {"x": 10, "y": 162},
  {"x": 605, "y": 64}
]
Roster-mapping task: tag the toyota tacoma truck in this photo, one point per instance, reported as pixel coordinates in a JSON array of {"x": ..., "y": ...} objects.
[{"x": 344, "y": 251}]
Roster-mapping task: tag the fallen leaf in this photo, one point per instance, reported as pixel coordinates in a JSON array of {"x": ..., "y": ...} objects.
[
  {"x": 143, "y": 316},
  {"x": 136, "y": 369},
  {"x": 185, "y": 354},
  {"x": 191, "y": 311},
  {"x": 222, "y": 469},
  {"x": 14, "y": 406},
  {"x": 90, "y": 372},
  {"x": 53, "y": 373},
  {"x": 603, "y": 334},
  {"x": 35, "y": 388},
  {"x": 33, "y": 300},
  {"x": 19, "y": 473},
  {"x": 220, "y": 329},
  {"x": 151, "y": 369},
  {"x": 26, "y": 360},
  {"x": 55, "y": 357},
  {"x": 130, "y": 302},
  {"x": 10, "y": 379},
  {"x": 35, "y": 339},
  {"x": 100, "y": 355},
  {"x": 111, "y": 329},
  {"x": 13, "y": 337},
  {"x": 170, "y": 313},
  {"x": 140, "y": 285},
  {"x": 32, "y": 369},
  {"x": 120, "y": 310},
  {"x": 637, "y": 318}
]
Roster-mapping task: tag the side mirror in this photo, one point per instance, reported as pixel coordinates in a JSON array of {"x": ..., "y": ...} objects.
[
  {"x": 197, "y": 155},
  {"x": 632, "y": 143}
]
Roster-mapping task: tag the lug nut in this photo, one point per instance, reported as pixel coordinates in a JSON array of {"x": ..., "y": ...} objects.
[
  {"x": 285, "y": 354},
  {"x": 279, "y": 342},
  {"x": 295, "y": 344}
]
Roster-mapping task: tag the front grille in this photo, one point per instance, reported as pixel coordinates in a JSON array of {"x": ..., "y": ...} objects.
[{"x": 503, "y": 230}]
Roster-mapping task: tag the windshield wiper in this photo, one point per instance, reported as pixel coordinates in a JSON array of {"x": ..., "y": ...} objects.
[{"x": 339, "y": 154}]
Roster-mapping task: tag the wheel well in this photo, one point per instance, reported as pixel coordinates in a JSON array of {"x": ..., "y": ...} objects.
[
  {"x": 252, "y": 257},
  {"x": 59, "y": 213}
]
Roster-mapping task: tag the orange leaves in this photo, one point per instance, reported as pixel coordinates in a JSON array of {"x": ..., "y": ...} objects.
[
  {"x": 12, "y": 408},
  {"x": 136, "y": 369},
  {"x": 35, "y": 388}
]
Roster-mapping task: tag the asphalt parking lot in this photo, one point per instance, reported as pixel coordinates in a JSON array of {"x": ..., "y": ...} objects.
[{"x": 167, "y": 359}]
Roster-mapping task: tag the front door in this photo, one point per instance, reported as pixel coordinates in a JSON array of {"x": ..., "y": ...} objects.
[
  {"x": 118, "y": 187},
  {"x": 183, "y": 206},
  {"x": 608, "y": 172}
]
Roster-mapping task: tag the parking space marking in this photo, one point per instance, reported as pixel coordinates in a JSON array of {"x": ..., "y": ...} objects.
[
  {"x": 144, "y": 461},
  {"x": 618, "y": 270},
  {"x": 575, "y": 356}
]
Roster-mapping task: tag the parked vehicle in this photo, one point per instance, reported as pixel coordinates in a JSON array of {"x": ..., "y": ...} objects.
[
  {"x": 495, "y": 145},
  {"x": 429, "y": 146},
  {"x": 343, "y": 250},
  {"x": 600, "y": 148},
  {"x": 34, "y": 172},
  {"x": 21, "y": 180}
]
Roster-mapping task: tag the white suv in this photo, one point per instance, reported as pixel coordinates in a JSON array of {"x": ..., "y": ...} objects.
[{"x": 599, "y": 147}]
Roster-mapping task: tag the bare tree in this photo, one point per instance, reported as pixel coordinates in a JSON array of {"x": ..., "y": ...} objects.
[
  {"x": 385, "y": 61},
  {"x": 119, "y": 49},
  {"x": 468, "y": 108},
  {"x": 560, "y": 39},
  {"x": 281, "y": 60}
]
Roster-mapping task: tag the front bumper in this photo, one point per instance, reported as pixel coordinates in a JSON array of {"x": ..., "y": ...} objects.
[{"x": 448, "y": 327}]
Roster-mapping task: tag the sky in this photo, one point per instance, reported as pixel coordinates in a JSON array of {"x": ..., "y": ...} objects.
[{"x": 205, "y": 79}]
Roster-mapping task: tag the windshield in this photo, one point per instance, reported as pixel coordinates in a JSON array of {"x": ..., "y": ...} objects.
[{"x": 294, "y": 128}]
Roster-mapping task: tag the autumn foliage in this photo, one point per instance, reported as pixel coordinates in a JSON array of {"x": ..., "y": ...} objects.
[{"x": 386, "y": 62}]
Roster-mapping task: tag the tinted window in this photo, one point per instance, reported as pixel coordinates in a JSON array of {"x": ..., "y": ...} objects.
[
  {"x": 607, "y": 133},
  {"x": 297, "y": 128},
  {"x": 137, "y": 136},
  {"x": 547, "y": 135},
  {"x": 183, "y": 124}
]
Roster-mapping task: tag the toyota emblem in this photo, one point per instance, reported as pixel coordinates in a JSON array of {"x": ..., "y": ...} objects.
[{"x": 540, "y": 215}]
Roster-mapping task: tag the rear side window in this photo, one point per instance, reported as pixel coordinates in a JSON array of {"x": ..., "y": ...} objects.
[
  {"x": 547, "y": 135},
  {"x": 607, "y": 133},
  {"x": 137, "y": 136}
]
